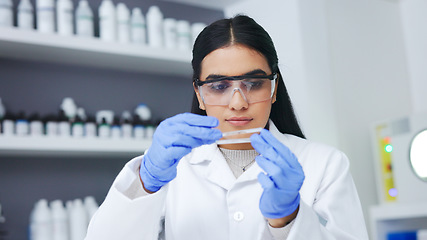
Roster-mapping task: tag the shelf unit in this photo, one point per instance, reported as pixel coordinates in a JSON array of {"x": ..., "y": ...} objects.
[
  {"x": 32, "y": 45},
  {"x": 394, "y": 217},
  {"x": 69, "y": 146}
]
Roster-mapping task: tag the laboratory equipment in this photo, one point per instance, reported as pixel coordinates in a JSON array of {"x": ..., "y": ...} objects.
[
  {"x": 25, "y": 15},
  {"x": 236, "y": 133},
  {"x": 400, "y": 158},
  {"x": 123, "y": 23},
  {"x": 45, "y": 16},
  {"x": 84, "y": 20},
  {"x": 155, "y": 27},
  {"x": 64, "y": 17},
  {"x": 138, "y": 27},
  {"x": 107, "y": 21}
]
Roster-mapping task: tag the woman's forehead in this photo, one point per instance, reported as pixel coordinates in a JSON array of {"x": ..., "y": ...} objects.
[{"x": 233, "y": 60}]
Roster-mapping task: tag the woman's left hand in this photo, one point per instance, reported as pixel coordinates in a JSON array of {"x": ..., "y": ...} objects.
[{"x": 283, "y": 179}]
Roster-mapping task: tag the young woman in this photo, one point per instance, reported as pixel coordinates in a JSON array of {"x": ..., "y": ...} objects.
[{"x": 277, "y": 186}]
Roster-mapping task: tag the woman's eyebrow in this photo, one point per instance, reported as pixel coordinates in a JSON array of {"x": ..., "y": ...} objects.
[{"x": 253, "y": 72}]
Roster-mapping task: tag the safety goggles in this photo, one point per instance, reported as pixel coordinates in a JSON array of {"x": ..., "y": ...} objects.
[{"x": 253, "y": 88}]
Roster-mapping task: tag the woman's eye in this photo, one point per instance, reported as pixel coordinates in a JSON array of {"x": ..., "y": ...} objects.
[
  {"x": 254, "y": 83},
  {"x": 219, "y": 86}
]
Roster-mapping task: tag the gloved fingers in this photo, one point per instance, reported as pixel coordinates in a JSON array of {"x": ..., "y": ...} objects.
[
  {"x": 163, "y": 158},
  {"x": 274, "y": 172},
  {"x": 266, "y": 149},
  {"x": 193, "y": 120},
  {"x": 183, "y": 135},
  {"x": 265, "y": 181},
  {"x": 281, "y": 149}
]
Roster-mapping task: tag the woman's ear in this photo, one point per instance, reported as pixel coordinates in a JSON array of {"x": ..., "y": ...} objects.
[
  {"x": 273, "y": 98},
  {"x": 199, "y": 98}
]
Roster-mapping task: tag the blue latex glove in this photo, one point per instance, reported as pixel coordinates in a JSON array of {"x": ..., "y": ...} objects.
[
  {"x": 284, "y": 176},
  {"x": 174, "y": 138}
]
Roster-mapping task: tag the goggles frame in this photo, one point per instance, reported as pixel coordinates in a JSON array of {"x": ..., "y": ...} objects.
[
  {"x": 271, "y": 77},
  {"x": 199, "y": 83}
]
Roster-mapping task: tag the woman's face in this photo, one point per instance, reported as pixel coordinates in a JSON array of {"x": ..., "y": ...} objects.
[{"x": 236, "y": 60}]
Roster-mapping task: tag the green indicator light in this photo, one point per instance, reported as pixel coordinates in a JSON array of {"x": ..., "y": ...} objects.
[{"x": 388, "y": 148}]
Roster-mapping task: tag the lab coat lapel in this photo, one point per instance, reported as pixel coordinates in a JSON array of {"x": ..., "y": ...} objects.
[{"x": 218, "y": 171}]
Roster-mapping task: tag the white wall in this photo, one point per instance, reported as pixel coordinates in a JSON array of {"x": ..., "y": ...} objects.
[
  {"x": 346, "y": 68},
  {"x": 301, "y": 44},
  {"x": 370, "y": 78},
  {"x": 414, "y": 20}
]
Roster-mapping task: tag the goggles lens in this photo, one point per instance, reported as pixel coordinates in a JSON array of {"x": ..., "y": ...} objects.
[{"x": 252, "y": 88}]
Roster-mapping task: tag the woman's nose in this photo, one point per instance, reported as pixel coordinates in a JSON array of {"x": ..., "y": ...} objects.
[{"x": 238, "y": 100}]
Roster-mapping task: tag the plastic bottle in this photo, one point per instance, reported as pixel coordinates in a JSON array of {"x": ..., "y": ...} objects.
[
  {"x": 41, "y": 221},
  {"x": 8, "y": 124},
  {"x": 169, "y": 33},
  {"x": 69, "y": 107},
  {"x": 107, "y": 21},
  {"x": 45, "y": 16},
  {"x": 78, "y": 221},
  {"x": 138, "y": 128},
  {"x": 36, "y": 125},
  {"x": 149, "y": 129},
  {"x": 22, "y": 125},
  {"x": 77, "y": 127},
  {"x": 64, "y": 17},
  {"x": 123, "y": 23},
  {"x": 138, "y": 27},
  {"x": 183, "y": 35},
  {"x": 64, "y": 127},
  {"x": 59, "y": 221},
  {"x": 126, "y": 125},
  {"x": 25, "y": 15},
  {"x": 196, "y": 29},
  {"x": 51, "y": 125},
  {"x": 104, "y": 129},
  {"x": 90, "y": 127},
  {"x": 91, "y": 206},
  {"x": 155, "y": 27},
  {"x": 6, "y": 13},
  {"x": 116, "y": 129},
  {"x": 84, "y": 20}
]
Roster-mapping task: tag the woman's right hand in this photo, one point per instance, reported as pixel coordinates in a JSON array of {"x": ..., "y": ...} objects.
[{"x": 174, "y": 138}]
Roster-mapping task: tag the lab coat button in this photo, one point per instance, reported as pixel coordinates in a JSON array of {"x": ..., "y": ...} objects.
[{"x": 238, "y": 216}]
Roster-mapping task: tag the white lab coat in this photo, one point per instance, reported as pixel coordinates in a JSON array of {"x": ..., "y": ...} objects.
[{"x": 205, "y": 201}]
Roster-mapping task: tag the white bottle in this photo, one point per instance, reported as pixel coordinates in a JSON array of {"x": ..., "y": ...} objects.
[
  {"x": 196, "y": 29},
  {"x": 123, "y": 23},
  {"x": 36, "y": 126},
  {"x": 91, "y": 206},
  {"x": 126, "y": 125},
  {"x": 45, "y": 16},
  {"x": 59, "y": 221},
  {"x": 184, "y": 35},
  {"x": 78, "y": 221},
  {"x": 69, "y": 107},
  {"x": 169, "y": 33},
  {"x": 25, "y": 15},
  {"x": 64, "y": 17},
  {"x": 41, "y": 221},
  {"x": 138, "y": 27},
  {"x": 155, "y": 27},
  {"x": 6, "y": 13},
  {"x": 107, "y": 21},
  {"x": 84, "y": 20}
]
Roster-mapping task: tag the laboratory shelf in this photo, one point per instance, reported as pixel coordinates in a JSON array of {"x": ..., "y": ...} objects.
[
  {"x": 51, "y": 47},
  {"x": 392, "y": 217},
  {"x": 69, "y": 146}
]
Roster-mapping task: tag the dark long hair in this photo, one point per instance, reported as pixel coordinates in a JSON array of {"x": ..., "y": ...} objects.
[{"x": 244, "y": 30}]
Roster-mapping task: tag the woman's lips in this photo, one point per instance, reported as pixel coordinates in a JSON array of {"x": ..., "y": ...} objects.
[{"x": 239, "y": 121}]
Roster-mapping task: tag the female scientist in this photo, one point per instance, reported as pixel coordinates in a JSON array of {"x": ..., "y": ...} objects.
[{"x": 189, "y": 186}]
